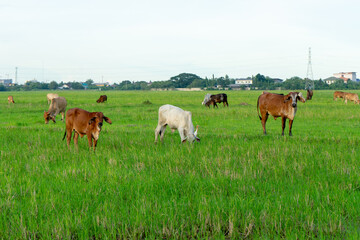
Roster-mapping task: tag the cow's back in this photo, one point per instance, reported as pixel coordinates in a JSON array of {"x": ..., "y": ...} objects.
[
  {"x": 352, "y": 96},
  {"x": 60, "y": 102},
  {"x": 77, "y": 118},
  {"x": 173, "y": 116},
  {"x": 269, "y": 100}
]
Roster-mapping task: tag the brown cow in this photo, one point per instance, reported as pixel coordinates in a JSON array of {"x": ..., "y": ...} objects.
[
  {"x": 83, "y": 123},
  {"x": 213, "y": 99},
  {"x": 352, "y": 97},
  {"x": 338, "y": 94},
  {"x": 278, "y": 105},
  {"x": 309, "y": 94},
  {"x": 11, "y": 99},
  {"x": 101, "y": 99},
  {"x": 58, "y": 105}
]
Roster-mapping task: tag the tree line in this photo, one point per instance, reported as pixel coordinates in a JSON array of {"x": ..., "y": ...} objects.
[{"x": 188, "y": 80}]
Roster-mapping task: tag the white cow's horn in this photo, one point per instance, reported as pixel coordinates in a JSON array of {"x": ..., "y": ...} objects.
[{"x": 197, "y": 127}]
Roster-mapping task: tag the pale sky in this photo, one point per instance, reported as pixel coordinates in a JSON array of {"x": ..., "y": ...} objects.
[{"x": 138, "y": 40}]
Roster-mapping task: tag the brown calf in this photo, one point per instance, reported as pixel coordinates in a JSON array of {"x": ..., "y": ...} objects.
[
  {"x": 101, "y": 99},
  {"x": 352, "y": 97},
  {"x": 338, "y": 94},
  {"x": 278, "y": 105},
  {"x": 213, "y": 99},
  {"x": 10, "y": 99},
  {"x": 84, "y": 123},
  {"x": 309, "y": 94}
]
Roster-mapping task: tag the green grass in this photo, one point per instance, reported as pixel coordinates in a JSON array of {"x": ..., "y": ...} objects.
[{"x": 236, "y": 183}]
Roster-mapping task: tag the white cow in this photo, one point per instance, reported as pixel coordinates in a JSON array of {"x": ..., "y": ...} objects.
[
  {"x": 50, "y": 96},
  {"x": 178, "y": 119},
  {"x": 58, "y": 105}
]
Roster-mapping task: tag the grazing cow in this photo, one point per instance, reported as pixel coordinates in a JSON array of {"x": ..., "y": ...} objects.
[
  {"x": 278, "y": 105},
  {"x": 352, "y": 97},
  {"x": 338, "y": 94},
  {"x": 84, "y": 123},
  {"x": 11, "y": 99},
  {"x": 178, "y": 119},
  {"x": 50, "y": 96},
  {"x": 309, "y": 94},
  {"x": 213, "y": 99},
  {"x": 58, "y": 105},
  {"x": 101, "y": 99}
]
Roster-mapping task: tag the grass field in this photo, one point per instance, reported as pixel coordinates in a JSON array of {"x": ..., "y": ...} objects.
[{"x": 236, "y": 183}]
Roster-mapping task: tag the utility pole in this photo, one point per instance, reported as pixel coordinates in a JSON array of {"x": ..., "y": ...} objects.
[
  {"x": 16, "y": 75},
  {"x": 309, "y": 83}
]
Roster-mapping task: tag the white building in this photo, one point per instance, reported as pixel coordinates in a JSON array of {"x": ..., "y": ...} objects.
[
  {"x": 243, "y": 81},
  {"x": 6, "y": 82},
  {"x": 346, "y": 76}
]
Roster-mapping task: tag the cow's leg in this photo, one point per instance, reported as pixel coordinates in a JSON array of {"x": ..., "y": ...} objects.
[
  {"x": 162, "y": 132},
  {"x": 215, "y": 105},
  {"x": 68, "y": 137},
  {"x": 76, "y": 137},
  {"x": 182, "y": 134},
  {"x": 290, "y": 126},
  {"x": 62, "y": 116},
  {"x": 89, "y": 140},
  {"x": 157, "y": 132},
  {"x": 264, "y": 117},
  {"x": 345, "y": 100},
  {"x": 95, "y": 143},
  {"x": 283, "y": 125}
]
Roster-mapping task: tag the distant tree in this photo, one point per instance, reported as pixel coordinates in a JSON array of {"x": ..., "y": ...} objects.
[
  {"x": 53, "y": 85},
  {"x": 198, "y": 83},
  {"x": 89, "y": 82},
  {"x": 76, "y": 85},
  {"x": 294, "y": 83},
  {"x": 319, "y": 84},
  {"x": 162, "y": 84},
  {"x": 183, "y": 80},
  {"x": 2, "y": 88}
]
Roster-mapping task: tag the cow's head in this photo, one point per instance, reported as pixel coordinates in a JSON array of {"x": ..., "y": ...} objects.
[
  {"x": 96, "y": 123},
  {"x": 206, "y": 99},
  {"x": 48, "y": 116},
  {"x": 192, "y": 136},
  {"x": 294, "y": 96}
]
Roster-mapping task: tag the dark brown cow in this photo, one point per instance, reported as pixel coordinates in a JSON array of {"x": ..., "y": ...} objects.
[
  {"x": 309, "y": 94},
  {"x": 101, "y": 99},
  {"x": 339, "y": 94},
  {"x": 213, "y": 99},
  {"x": 278, "y": 105},
  {"x": 11, "y": 99},
  {"x": 84, "y": 123}
]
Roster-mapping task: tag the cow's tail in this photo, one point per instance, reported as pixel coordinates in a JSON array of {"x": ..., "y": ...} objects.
[
  {"x": 64, "y": 135},
  {"x": 258, "y": 107}
]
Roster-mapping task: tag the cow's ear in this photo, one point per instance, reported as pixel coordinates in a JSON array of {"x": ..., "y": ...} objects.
[
  {"x": 92, "y": 120},
  {"x": 108, "y": 120},
  {"x": 300, "y": 97},
  {"x": 197, "y": 139}
]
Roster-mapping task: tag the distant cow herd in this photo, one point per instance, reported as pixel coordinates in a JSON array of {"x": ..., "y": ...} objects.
[{"x": 82, "y": 122}]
